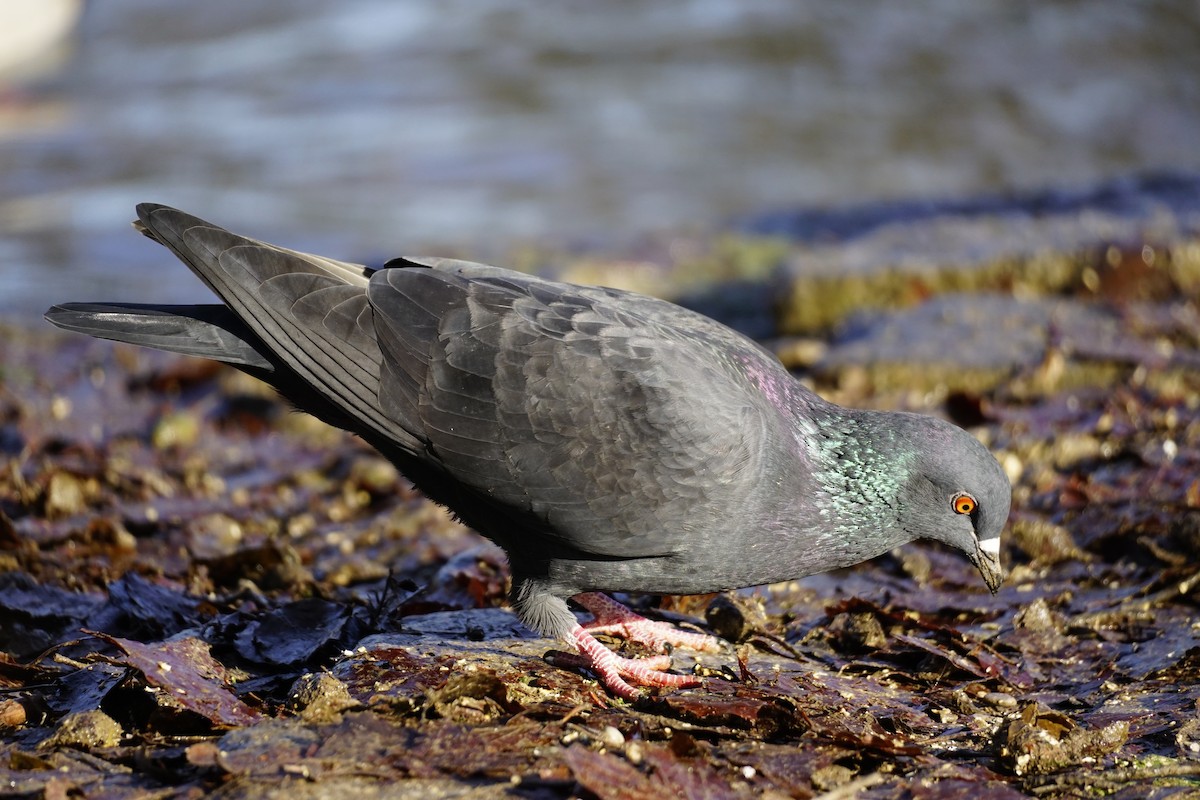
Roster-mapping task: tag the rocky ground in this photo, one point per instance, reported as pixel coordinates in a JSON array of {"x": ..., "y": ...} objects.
[{"x": 202, "y": 592}]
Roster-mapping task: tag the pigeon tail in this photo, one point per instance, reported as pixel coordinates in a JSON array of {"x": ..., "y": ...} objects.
[{"x": 204, "y": 331}]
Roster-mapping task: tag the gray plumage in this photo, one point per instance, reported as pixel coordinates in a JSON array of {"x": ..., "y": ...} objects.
[{"x": 606, "y": 440}]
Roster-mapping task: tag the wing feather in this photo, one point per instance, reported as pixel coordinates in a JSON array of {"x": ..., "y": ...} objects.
[
  {"x": 562, "y": 405},
  {"x": 551, "y": 416}
]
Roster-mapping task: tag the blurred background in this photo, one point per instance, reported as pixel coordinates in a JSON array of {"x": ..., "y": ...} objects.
[{"x": 369, "y": 128}]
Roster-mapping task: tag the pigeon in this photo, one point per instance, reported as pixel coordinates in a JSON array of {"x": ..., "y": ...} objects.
[{"x": 606, "y": 440}]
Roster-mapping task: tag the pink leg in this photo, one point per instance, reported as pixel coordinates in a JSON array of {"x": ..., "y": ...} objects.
[
  {"x": 614, "y": 669},
  {"x": 613, "y": 618},
  {"x": 620, "y": 674}
]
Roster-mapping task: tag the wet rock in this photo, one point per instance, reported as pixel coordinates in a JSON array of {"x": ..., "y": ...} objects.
[
  {"x": 971, "y": 343},
  {"x": 377, "y": 476},
  {"x": 735, "y": 617},
  {"x": 1046, "y": 543},
  {"x": 1041, "y": 741},
  {"x": 858, "y": 632},
  {"x": 64, "y": 496},
  {"x": 1037, "y": 616},
  {"x": 320, "y": 697},
  {"x": 898, "y": 254},
  {"x": 473, "y": 695},
  {"x": 85, "y": 730},
  {"x": 611, "y": 738},
  {"x": 829, "y": 778},
  {"x": 916, "y": 564},
  {"x": 214, "y": 536},
  {"x": 1074, "y": 448},
  {"x": 799, "y": 353},
  {"x": 999, "y": 699},
  {"x": 177, "y": 429},
  {"x": 1188, "y": 736}
]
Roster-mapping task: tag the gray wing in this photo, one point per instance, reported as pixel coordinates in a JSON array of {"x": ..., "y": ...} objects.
[
  {"x": 310, "y": 312},
  {"x": 620, "y": 422}
]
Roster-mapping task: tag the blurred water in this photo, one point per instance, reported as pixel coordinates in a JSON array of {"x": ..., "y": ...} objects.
[{"x": 369, "y": 128}]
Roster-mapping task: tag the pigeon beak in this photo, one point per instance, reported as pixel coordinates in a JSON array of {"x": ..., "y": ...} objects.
[{"x": 987, "y": 561}]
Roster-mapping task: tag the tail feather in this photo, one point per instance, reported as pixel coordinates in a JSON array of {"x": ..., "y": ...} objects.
[
  {"x": 206, "y": 331},
  {"x": 301, "y": 322},
  {"x": 271, "y": 290}
]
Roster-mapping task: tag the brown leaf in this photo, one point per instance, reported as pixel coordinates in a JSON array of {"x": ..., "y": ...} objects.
[
  {"x": 610, "y": 777},
  {"x": 186, "y": 670}
]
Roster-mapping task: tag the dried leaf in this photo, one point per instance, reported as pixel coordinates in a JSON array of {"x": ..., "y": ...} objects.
[{"x": 192, "y": 678}]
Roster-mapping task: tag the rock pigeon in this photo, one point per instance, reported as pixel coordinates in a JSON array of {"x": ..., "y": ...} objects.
[{"x": 606, "y": 440}]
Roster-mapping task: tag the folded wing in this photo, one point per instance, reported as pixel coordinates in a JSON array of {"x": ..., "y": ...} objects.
[{"x": 591, "y": 416}]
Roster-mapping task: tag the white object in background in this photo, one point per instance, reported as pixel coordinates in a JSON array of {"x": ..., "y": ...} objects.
[{"x": 34, "y": 35}]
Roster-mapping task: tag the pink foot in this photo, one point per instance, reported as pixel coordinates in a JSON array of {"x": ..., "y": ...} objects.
[
  {"x": 620, "y": 674},
  {"x": 614, "y": 670},
  {"x": 613, "y": 618}
]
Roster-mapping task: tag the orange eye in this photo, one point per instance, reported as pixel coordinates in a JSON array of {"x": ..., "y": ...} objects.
[{"x": 964, "y": 504}]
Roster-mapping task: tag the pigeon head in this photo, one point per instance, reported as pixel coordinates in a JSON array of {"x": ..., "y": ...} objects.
[{"x": 956, "y": 492}]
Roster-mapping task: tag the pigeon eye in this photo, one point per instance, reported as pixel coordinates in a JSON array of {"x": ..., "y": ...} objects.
[{"x": 963, "y": 503}]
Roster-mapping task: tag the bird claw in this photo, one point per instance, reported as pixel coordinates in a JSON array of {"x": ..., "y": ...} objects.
[
  {"x": 613, "y": 618},
  {"x": 619, "y": 674},
  {"x": 622, "y": 675},
  {"x": 623, "y": 665}
]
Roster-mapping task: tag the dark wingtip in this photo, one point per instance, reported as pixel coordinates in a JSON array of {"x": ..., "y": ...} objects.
[
  {"x": 61, "y": 313},
  {"x": 142, "y": 224},
  {"x": 144, "y": 210},
  {"x": 80, "y": 317}
]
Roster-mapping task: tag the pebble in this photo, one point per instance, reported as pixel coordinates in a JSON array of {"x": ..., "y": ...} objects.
[
  {"x": 612, "y": 738},
  {"x": 999, "y": 699}
]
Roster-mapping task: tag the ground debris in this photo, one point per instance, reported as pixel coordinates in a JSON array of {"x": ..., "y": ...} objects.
[
  {"x": 274, "y": 609},
  {"x": 187, "y": 677},
  {"x": 1041, "y": 741},
  {"x": 85, "y": 730},
  {"x": 320, "y": 697}
]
